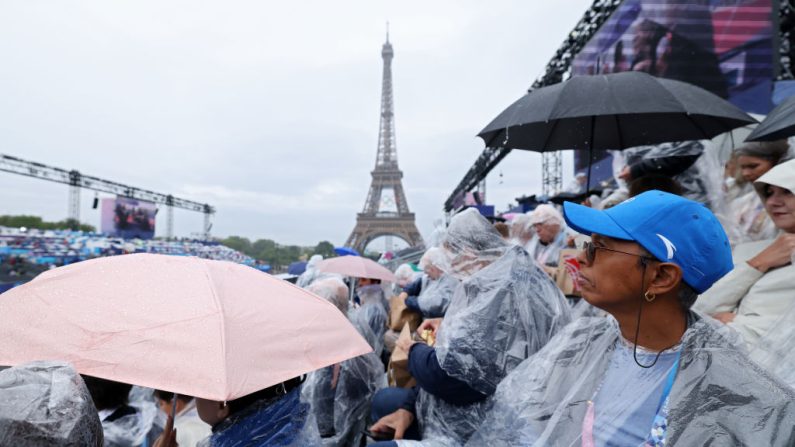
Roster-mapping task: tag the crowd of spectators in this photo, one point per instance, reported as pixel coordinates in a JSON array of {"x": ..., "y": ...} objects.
[
  {"x": 680, "y": 330},
  {"x": 24, "y": 253}
]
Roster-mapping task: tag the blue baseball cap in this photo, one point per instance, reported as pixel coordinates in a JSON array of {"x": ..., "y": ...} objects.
[{"x": 671, "y": 228}]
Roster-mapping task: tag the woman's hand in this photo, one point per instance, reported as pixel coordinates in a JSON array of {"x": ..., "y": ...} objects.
[
  {"x": 777, "y": 254},
  {"x": 431, "y": 324},
  {"x": 169, "y": 436},
  {"x": 398, "y": 422},
  {"x": 724, "y": 317}
]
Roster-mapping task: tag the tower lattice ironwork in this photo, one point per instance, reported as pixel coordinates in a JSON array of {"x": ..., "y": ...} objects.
[{"x": 386, "y": 212}]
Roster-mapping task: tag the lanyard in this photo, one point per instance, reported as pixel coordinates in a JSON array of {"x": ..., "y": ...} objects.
[
  {"x": 590, "y": 416},
  {"x": 669, "y": 383}
]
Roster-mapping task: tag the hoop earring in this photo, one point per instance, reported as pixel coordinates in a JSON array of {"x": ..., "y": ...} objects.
[
  {"x": 282, "y": 391},
  {"x": 648, "y": 298}
]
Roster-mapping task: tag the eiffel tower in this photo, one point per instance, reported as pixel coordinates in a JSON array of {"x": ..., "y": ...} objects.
[{"x": 386, "y": 212}]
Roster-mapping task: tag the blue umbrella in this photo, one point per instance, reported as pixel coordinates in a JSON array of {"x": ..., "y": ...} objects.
[
  {"x": 296, "y": 268},
  {"x": 345, "y": 251}
]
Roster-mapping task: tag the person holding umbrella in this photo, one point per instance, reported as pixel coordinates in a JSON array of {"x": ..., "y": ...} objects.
[
  {"x": 189, "y": 427},
  {"x": 654, "y": 373},
  {"x": 271, "y": 416},
  {"x": 236, "y": 339}
]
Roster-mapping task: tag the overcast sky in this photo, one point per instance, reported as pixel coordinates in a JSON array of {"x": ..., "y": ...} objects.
[{"x": 266, "y": 110}]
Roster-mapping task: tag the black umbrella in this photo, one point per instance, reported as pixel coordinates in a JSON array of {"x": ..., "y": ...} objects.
[
  {"x": 614, "y": 111},
  {"x": 573, "y": 196},
  {"x": 779, "y": 123}
]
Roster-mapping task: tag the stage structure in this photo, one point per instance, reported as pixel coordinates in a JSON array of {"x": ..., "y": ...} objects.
[
  {"x": 386, "y": 212},
  {"x": 76, "y": 181},
  {"x": 748, "y": 22}
]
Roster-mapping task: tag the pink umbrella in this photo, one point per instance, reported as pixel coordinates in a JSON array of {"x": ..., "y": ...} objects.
[
  {"x": 357, "y": 267},
  {"x": 210, "y": 329}
]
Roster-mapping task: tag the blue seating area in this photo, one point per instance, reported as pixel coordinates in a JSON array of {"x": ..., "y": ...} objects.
[{"x": 60, "y": 247}]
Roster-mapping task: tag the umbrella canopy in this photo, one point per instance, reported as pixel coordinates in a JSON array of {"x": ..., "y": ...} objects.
[
  {"x": 357, "y": 267},
  {"x": 296, "y": 268},
  {"x": 346, "y": 251},
  {"x": 614, "y": 111},
  {"x": 209, "y": 329},
  {"x": 778, "y": 124}
]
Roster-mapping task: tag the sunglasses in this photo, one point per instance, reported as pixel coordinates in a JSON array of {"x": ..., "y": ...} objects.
[{"x": 590, "y": 252}]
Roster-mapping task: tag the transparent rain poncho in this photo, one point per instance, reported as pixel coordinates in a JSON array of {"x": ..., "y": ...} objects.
[
  {"x": 692, "y": 180},
  {"x": 340, "y": 395},
  {"x": 359, "y": 379},
  {"x": 584, "y": 309},
  {"x": 497, "y": 318},
  {"x": 311, "y": 274},
  {"x": 718, "y": 397},
  {"x": 46, "y": 403},
  {"x": 547, "y": 254},
  {"x": 374, "y": 310},
  {"x": 775, "y": 351},
  {"x": 284, "y": 422},
  {"x": 502, "y": 314},
  {"x": 404, "y": 274},
  {"x": 522, "y": 229},
  {"x": 332, "y": 290},
  {"x": 438, "y": 233},
  {"x": 132, "y": 429},
  {"x": 436, "y": 293},
  {"x": 434, "y": 257},
  {"x": 143, "y": 400},
  {"x": 471, "y": 243}
]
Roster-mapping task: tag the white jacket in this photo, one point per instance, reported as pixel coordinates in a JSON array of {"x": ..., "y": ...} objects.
[
  {"x": 190, "y": 428},
  {"x": 759, "y": 299}
]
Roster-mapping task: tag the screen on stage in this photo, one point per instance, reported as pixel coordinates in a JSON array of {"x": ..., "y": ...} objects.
[
  {"x": 128, "y": 218},
  {"x": 724, "y": 46}
]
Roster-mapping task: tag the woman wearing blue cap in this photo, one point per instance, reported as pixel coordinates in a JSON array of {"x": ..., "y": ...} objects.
[{"x": 654, "y": 373}]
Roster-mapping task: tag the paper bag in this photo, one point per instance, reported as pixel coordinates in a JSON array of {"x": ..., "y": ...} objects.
[
  {"x": 399, "y": 314},
  {"x": 398, "y": 369}
]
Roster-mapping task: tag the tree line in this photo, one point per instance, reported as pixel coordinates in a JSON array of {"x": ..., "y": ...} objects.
[
  {"x": 40, "y": 224},
  {"x": 277, "y": 255}
]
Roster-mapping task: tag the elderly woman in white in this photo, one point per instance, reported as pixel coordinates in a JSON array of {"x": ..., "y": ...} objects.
[
  {"x": 761, "y": 288},
  {"x": 550, "y": 235}
]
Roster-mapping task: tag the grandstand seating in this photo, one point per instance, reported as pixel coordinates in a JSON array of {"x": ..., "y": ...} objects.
[{"x": 59, "y": 247}]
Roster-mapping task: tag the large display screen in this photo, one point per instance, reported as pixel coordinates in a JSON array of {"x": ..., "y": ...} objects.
[
  {"x": 128, "y": 218},
  {"x": 724, "y": 46}
]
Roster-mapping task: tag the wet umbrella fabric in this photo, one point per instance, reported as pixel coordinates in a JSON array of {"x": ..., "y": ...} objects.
[
  {"x": 296, "y": 268},
  {"x": 356, "y": 267},
  {"x": 346, "y": 251},
  {"x": 209, "y": 329},
  {"x": 778, "y": 125},
  {"x": 614, "y": 111}
]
